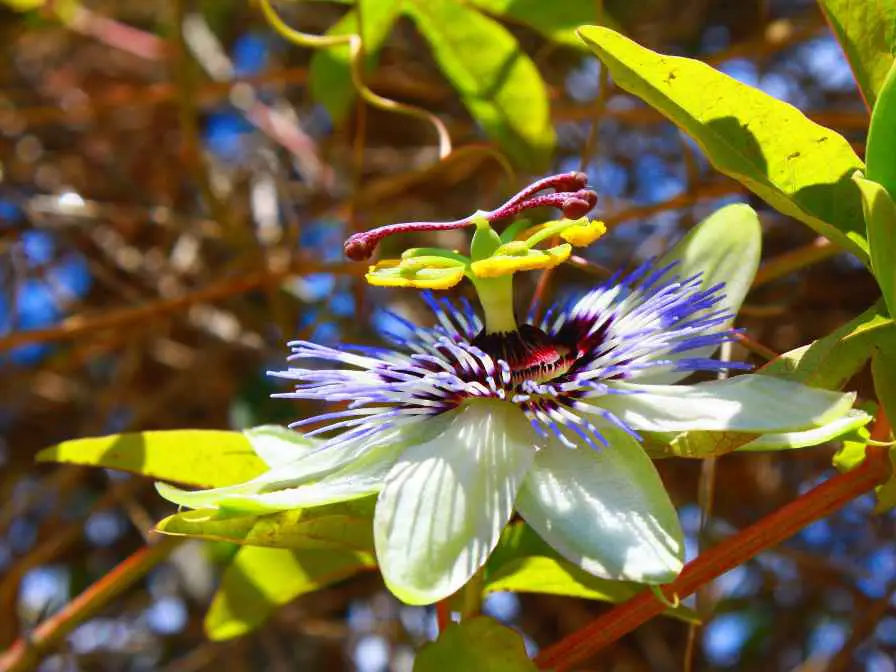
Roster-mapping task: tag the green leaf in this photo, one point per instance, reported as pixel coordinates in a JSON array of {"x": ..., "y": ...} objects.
[
  {"x": 203, "y": 458},
  {"x": 852, "y": 452},
  {"x": 799, "y": 167},
  {"x": 342, "y": 526},
  {"x": 880, "y": 218},
  {"x": 24, "y": 5},
  {"x": 883, "y": 370},
  {"x": 556, "y": 20},
  {"x": 478, "y": 643},
  {"x": 262, "y": 579},
  {"x": 330, "y": 70},
  {"x": 831, "y": 361},
  {"x": 867, "y": 33},
  {"x": 497, "y": 82},
  {"x": 554, "y": 576},
  {"x": 524, "y": 563},
  {"x": 882, "y": 136}
]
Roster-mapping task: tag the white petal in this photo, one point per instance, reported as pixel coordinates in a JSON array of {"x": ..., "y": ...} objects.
[
  {"x": 725, "y": 247},
  {"x": 811, "y": 437},
  {"x": 751, "y": 403},
  {"x": 446, "y": 501},
  {"x": 363, "y": 477},
  {"x": 277, "y": 445},
  {"x": 606, "y": 510},
  {"x": 311, "y": 466}
]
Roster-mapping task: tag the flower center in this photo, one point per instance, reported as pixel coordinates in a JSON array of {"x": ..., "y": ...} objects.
[{"x": 531, "y": 353}]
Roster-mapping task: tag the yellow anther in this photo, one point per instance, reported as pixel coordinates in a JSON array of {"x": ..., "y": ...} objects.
[
  {"x": 499, "y": 265},
  {"x": 417, "y": 272},
  {"x": 585, "y": 233}
]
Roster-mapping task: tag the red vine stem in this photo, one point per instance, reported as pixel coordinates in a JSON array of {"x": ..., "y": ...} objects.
[
  {"x": 26, "y": 652},
  {"x": 443, "y": 614},
  {"x": 764, "y": 534}
]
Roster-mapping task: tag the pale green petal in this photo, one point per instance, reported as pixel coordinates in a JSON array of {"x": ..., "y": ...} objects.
[
  {"x": 277, "y": 445},
  {"x": 725, "y": 247},
  {"x": 362, "y": 477},
  {"x": 811, "y": 437},
  {"x": 751, "y": 403},
  {"x": 605, "y": 510},
  {"x": 312, "y": 465},
  {"x": 446, "y": 501}
]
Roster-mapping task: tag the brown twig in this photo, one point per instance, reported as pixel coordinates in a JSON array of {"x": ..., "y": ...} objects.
[
  {"x": 128, "y": 317},
  {"x": 795, "y": 260},
  {"x": 27, "y": 651}
]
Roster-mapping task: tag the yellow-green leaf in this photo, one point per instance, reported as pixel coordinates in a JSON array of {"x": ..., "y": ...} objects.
[
  {"x": 852, "y": 452},
  {"x": 342, "y": 526},
  {"x": 524, "y": 563},
  {"x": 883, "y": 369},
  {"x": 496, "y": 80},
  {"x": 556, "y": 20},
  {"x": 24, "y": 5},
  {"x": 880, "y": 218},
  {"x": 197, "y": 457},
  {"x": 262, "y": 579},
  {"x": 866, "y": 30},
  {"x": 478, "y": 643},
  {"x": 552, "y": 576},
  {"x": 799, "y": 167}
]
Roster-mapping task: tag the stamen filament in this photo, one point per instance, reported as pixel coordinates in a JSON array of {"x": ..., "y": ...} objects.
[{"x": 496, "y": 298}]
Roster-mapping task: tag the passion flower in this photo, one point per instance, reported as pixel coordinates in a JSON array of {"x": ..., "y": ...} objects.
[{"x": 457, "y": 425}]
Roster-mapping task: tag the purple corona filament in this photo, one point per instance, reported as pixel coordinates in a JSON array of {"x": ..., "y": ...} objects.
[
  {"x": 557, "y": 371},
  {"x": 571, "y": 196}
]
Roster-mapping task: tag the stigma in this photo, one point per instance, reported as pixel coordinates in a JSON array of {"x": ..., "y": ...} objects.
[{"x": 529, "y": 352}]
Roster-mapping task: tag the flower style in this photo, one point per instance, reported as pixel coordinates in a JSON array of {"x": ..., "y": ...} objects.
[{"x": 459, "y": 424}]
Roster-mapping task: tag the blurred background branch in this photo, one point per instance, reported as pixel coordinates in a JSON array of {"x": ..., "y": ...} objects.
[{"x": 176, "y": 182}]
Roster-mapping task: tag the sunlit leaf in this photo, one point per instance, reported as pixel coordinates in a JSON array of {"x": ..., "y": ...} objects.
[
  {"x": 24, "y": 5},
  {"x": 262, "y": 579},
  {"x": 867, "y": 33},
  {"x": 202, "y": 458},
  {"x": 799, "y": 167},
  {"x": 330, "y": 71},
  {"x": 882, "y": 136},
  {"x": 524, "y": 563},
  {"x": 342, "y": 526},
  {"x": 478, "y": 643},
  {"x": 553, "y": 576},
  {"x": 852, "y": 452},
  {"x": 831, "y": 361},
  {"x": 883, "y": 369},
  {"x": 880, "y": 218},
  {"x": 496, "y": 80},
  {"x": 556, "y": 20}
]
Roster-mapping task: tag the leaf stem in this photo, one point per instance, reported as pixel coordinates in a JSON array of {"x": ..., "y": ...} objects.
[
  {"x": 472, "y": 596},
  {"x": 762, "y": 535}
]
